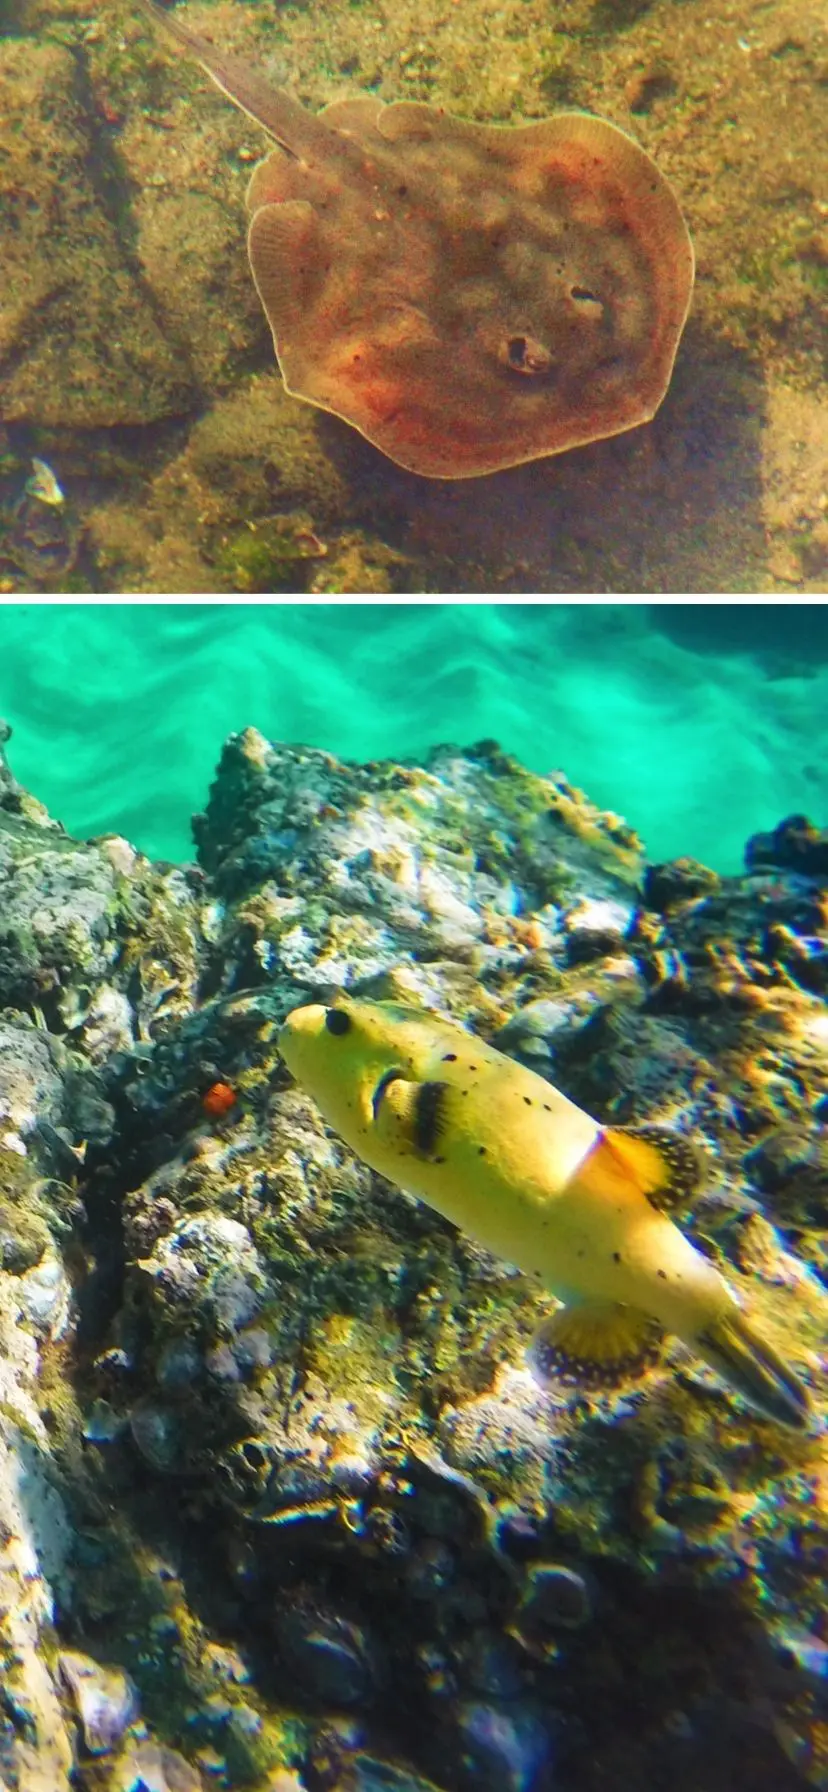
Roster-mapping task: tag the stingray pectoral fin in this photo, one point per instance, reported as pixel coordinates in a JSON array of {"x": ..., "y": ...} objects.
[
  {"x": 666, "y": 1167},
  {"x": 357, "y": 115},
  {"x": 595, "y": 1345},
  {"x": 748, "y": 1363},
  {"x": 285, "y": 251}
]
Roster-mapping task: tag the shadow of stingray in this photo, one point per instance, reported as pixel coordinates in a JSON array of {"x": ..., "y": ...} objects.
[{"x": 675, "y": 506}]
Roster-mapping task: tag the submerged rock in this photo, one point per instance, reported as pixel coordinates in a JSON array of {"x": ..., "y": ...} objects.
[
  {"x": 367, "y": 1773},
  {"x": 554, "y": 1599},
  {"x": 36, "y": 1750},
  {"x": 148, "y": 1767},
  {"x": 302, "y": 1400},
  {"x": 679, "y": 880},
  {"x": 105, "y": 1700},
  {"x": 504, "y": 1748},
  {"x": 330, "y": 1657},
  {"x": 795, "y": 845}
]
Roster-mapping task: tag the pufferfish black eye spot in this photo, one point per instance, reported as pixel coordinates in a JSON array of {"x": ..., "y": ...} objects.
[{"x": 338, "y": 1021}]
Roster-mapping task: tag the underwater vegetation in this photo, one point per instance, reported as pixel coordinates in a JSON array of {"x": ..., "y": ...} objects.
[{"x": 285, "y": 1506}]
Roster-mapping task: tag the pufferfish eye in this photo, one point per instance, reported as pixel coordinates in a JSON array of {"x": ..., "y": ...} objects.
[{"x": 337, "y": 1021}]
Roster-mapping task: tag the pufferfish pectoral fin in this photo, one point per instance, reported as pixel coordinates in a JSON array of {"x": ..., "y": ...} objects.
[
  {"x": 665, "y": 1166},
  {"x": 595, "y": 1346}
]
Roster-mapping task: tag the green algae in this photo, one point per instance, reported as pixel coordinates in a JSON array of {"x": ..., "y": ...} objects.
[
  {"x": 24, "y": 1232},
  {"x": 270, "y": 555}
]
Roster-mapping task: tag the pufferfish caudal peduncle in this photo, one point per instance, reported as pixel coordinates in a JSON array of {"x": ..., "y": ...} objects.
[{"x": 580, "y": 1207}]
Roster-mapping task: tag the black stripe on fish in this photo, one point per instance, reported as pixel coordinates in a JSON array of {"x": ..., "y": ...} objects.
[{"x": 429, "y": 1116}]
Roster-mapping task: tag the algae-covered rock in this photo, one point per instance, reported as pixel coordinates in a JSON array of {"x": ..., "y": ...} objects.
[
  {"x": 76, "y": 952},
  {"x": 36, "y": 1750},
  {"x": 252, "y": 502},
  {"x": 328, "y": 1524},
  {"x": 371, "y": 1403}
]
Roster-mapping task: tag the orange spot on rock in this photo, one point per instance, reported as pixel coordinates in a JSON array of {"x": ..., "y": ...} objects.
[{"x": 218, "y": 1101}]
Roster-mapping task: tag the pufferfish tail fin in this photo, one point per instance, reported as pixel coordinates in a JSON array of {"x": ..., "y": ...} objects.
[{"x": 750, "y": 1365}]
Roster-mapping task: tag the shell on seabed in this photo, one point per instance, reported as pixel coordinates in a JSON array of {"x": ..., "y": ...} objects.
[{"x": 105, "y": 1700}]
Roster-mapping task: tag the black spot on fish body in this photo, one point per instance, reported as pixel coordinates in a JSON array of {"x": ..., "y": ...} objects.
[
  {"x": 616, "y": 1256},
  {"x": 450, "y": 1058},
  {"x": 428, "y": 1115},
  {"x": 528, "y": 1100}
]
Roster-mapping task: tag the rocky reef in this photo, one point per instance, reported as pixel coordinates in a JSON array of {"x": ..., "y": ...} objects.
[{"x": 281, "y": 1505}]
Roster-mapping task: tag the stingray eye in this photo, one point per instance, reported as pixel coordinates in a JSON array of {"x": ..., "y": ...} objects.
[
  {"x": 524, "y": 354},
  {"x": 338, "y": 1021}
]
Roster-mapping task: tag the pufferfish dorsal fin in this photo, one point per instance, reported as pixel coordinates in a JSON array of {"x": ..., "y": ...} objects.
[
  {"x": 595, "y": 1346},
  {"x": 411, "y": 1114},
  {"x": 664, "y": 1165}
]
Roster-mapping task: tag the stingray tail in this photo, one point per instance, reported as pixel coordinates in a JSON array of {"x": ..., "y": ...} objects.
[{"x": 751, "y": 1366}]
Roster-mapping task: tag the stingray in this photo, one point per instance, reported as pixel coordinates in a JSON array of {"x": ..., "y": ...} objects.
[{"x": 468, "y": 296}]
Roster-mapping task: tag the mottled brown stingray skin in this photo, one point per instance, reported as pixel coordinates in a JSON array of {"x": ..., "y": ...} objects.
[{"x": 468, "y": 296}]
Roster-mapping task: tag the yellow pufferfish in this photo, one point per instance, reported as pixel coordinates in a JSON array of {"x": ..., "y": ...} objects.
[{"x": 580, "y": 1207}]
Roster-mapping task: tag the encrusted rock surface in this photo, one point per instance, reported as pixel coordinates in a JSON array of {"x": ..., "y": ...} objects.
[
  {"x": 35, "y": 1542},
  {"x": 79, "y": 339},
  {"x": 319, "y": 1527}
]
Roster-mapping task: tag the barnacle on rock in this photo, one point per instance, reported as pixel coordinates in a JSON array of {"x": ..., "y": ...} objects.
[{"x": 554, "y": 1598}]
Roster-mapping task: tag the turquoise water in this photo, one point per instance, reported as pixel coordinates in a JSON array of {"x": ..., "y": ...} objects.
[{"x": 700, "y": 724}]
